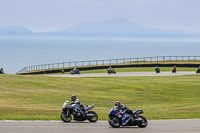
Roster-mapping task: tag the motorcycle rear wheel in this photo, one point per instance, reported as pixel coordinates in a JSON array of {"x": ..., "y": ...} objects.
[
  {"x": 114, "y": 122},
  {"x": 65, "y": 118},
  {"x": 93, "y": 118},
  {"x": 143, "y": 123}
]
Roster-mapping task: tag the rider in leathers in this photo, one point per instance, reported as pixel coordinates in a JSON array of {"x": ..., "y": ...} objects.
[
  {"x": 78, "y": 103},
  {"x": 122, "y": 109}
]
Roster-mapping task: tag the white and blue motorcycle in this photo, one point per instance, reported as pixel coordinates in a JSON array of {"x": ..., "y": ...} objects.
[{"x": 116, "y": 119}]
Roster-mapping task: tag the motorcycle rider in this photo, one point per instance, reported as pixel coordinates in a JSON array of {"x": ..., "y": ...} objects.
[
  {"x": 74, "y": 69},
  {"x": 110, "y": 69},
  {"x": 123, "y": 111},
  {"x": 1, "y": 71},
  {"x": 78, "y": 103},
  {"x": 157, "y": 69},
  {"x": 174, "y": 68}
]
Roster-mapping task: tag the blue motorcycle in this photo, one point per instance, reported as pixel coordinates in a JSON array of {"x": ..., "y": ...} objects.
[
  {"x": 132, "y": 118},
  {"x": 75, "y": 72}
]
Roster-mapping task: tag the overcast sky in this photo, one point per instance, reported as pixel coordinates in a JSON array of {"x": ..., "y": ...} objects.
[{"x": 50, "y": 15}]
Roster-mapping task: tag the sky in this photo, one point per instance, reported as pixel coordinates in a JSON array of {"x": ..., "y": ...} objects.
[{"x": 52, "y": 15}]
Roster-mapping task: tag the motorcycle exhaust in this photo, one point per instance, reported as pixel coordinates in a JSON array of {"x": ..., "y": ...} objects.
[{"x": 138, "y": 119}]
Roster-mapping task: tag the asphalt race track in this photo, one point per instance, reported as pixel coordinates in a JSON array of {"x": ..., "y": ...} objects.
[
  {"x": 126, "y": 74},
  {"x": 154, "y": 126}
]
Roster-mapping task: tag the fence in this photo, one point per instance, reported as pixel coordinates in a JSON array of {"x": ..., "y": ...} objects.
[{"x": 110, "y": 62}]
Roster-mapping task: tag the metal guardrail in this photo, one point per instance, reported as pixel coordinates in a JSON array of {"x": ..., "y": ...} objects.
[{"x": 109, "y": 62}]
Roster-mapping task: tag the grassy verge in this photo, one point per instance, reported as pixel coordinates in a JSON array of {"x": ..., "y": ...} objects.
[{"x": 41, "y": 98}]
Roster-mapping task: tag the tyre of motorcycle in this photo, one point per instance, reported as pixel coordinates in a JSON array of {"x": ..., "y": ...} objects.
[
  {"x": 114, "y": 122},
  {"x": 65, "y": 118},
  {"x": 142, "y": 123},
  {"x": 93, "y": 118}
]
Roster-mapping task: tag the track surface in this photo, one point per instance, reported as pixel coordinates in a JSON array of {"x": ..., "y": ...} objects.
[
  {"x": 154, "y": 126},
  {"x": 127, "y": 74}
]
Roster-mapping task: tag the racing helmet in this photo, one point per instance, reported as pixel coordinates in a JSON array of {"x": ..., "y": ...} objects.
[
  {"x": 73, "y": 97},
  {"x": 117, "y": 103}
]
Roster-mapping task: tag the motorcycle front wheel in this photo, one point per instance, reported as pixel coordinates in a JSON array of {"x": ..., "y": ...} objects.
[
  {"x": 114, "y": 122},
  {"x": 93, "y": 118},
  {"x": 65, "y": 118},
  {"x": 143, "y": 123}
]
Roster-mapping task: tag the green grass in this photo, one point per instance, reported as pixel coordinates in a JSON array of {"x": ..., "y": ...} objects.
[{"x": 41, "y": 98}]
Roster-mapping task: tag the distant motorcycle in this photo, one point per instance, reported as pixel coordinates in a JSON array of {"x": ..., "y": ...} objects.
[
  {"x": 198, "y": 71},
  {"x": 115, "y": 118},
  {"x": 173, "y": 70},
  {"x": 111, "y": 71},
  {"x": 78, "y": 114},
  {"x": 75, "y": 72},
  {"x": 157, "y": 70},
  {"x": 1, "y": 71}
]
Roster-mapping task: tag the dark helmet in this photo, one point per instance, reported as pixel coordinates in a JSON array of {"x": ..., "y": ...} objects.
[
  {"x": 117, "y": 103},
  {"x": 73, "y": 97}
]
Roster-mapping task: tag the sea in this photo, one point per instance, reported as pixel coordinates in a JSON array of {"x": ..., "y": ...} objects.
[{"x": 15, "y": 54}]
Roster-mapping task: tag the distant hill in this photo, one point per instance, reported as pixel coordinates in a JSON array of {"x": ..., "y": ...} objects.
[
  {"x": 121, "y": 28},
  {"x": 14, "y": 30},
  {"x": 114, "y": 28}
]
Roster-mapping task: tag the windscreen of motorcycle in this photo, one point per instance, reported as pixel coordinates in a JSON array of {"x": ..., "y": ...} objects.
[{"x": 64, "y": 106}]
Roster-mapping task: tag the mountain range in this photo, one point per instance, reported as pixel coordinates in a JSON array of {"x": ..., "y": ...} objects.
[{"x": 110, "y": 28}]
